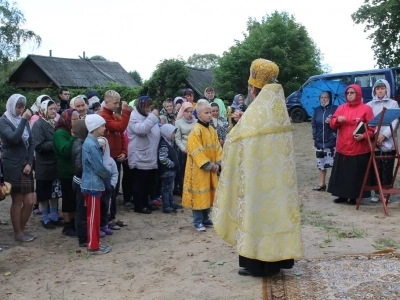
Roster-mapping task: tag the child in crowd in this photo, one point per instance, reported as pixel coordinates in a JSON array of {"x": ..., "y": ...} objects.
[
  {"x": 168, "y": 165},
  {"x": 79, "y": 131},
  {"x": 203, "y": 163},
  {"x": 109, "y": 184},
  {"x": 92, "y": 185},
  {"x": 219, "y": 123},
  {"x": 127, "y": 180}
]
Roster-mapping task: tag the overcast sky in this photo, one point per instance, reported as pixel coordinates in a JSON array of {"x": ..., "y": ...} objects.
[{"x": 139, "y": 34}]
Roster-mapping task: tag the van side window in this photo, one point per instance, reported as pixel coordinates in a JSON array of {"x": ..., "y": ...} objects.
[
  {"x": 346, "y": 79},
  {"x": 368, "y": 81}
]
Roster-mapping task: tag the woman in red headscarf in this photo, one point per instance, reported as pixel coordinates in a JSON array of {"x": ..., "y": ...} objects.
[
  {"x": 62, "y": 142},
  {"x": 352, "y": 150}
]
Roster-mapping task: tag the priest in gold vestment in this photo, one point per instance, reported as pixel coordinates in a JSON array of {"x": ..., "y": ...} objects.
[{"x": 256, "y": 205}]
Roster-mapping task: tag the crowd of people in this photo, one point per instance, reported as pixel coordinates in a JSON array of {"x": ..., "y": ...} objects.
[
  {"x": 74, "y": 150},
  {"x": 185, "y": 149},
  {"x": 348, "y": 153}
]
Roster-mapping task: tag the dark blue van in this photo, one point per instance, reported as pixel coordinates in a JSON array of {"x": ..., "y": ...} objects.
[{"x": 365, "y": 79}]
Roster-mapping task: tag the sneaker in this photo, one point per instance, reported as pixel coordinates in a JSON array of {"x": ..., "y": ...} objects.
[
  {"x": 48, "y": 225},
  {"x": 102, "y": 234},
  {"x": 106, "y": 230},
  {"x": 129, "y": 205},
  {"x": 169, "y": 210},
  {"x": 376, "y": 198},
  {"x": 200, "y": 227},
  {"x": 157, "y": 203},
  {"x": 176, "y": 206},
  {"x": 102, "y": 250},
  {"x": 30, "y": 234},
  {"x": 208, "y": 224},
  {"x": 37, "y": 212},
  {"x": 68, "y": 231},
  {"x": 23, "y": 238},
  {"x": 83, "y": 245},
  {"x": 57, "y": 223}
]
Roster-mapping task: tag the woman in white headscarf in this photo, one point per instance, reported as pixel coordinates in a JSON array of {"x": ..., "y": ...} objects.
[
  {"x": 17, "y": 163},
  {"x": 36, "y": 107},
  {"x": 48, "y": 186}
]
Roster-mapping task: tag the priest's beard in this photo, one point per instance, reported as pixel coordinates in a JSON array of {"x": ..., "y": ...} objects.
[{"x": 249, "y": 97}]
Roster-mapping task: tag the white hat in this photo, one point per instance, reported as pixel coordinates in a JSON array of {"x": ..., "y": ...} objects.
[{"x": 93, "y": 122}]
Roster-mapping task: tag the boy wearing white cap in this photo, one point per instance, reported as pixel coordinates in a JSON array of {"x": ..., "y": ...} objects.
[{"x": 92, "y": 185}]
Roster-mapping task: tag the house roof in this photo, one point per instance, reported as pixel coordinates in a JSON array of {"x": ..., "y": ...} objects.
[
  {"x": 199, "y": 79},
  {"x": 68, "y": 72}
]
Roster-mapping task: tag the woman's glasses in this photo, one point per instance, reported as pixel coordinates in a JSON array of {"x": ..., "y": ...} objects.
[{"x": 350, "y": 93}]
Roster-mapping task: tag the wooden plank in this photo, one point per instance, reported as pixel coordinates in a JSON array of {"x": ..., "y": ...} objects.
[{"x": 35, "y": 84}]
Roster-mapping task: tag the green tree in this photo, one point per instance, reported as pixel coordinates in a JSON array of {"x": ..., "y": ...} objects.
[
  {"x": 98, "y": 57},
  {"x": 12, "y": 36},
  {"x": 278, "y": 37},
  {"x": 136, "y": 76},
  {"x": 7, "y": 69},
  {"x": 203, "y": 61},
  {"x": 382, "y": 20},
  {"x": 167, "y": 80}
]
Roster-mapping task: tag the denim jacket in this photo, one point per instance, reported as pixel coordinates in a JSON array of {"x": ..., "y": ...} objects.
[{"x": 94, "y": 171}]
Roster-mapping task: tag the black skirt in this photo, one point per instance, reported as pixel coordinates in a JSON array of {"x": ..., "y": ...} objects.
[
  {"x": 264, "y": 268},
  {"x": 48, "y": 189},
  {"x": 348, "y": 175},
  {"x": 385, "y": 169}
]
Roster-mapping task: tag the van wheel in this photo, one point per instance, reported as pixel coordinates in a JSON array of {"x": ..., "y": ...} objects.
[{"x": 298, "y": 115}]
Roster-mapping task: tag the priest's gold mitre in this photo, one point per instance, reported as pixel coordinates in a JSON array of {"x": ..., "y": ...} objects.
[{"x": 262, "y": 72}]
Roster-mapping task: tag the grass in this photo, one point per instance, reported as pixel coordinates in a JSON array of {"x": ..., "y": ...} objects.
[
  {"x": 317, "y": 219},
  {"x": 385, "y": 243}
]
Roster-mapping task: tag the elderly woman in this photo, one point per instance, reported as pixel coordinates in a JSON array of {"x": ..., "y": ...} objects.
[
  {"x": 48, "y": 187},
  {"x": 36, "y": 107},
  {"x": 352, "y": 150},
  {"x": 17, "y": 160},
  {"x": 185, "y": 122},
  {"x": 62, "y": 143},
  {"x": 144, "y": 136},
  {"x": 79, "y": 104},
  {"x": 385, "y": 140},
  {"x": 324, "y": 137},
  {"x": 168, "y": 113},
  {"x": 178, "y": 103},
  {"x": 236, "y": 101}
]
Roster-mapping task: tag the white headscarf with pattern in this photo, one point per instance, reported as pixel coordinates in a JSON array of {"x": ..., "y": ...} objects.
[{"x": 12, "y": 115}]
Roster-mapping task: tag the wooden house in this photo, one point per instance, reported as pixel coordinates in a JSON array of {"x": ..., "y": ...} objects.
[{"x": 40, "y": 72}]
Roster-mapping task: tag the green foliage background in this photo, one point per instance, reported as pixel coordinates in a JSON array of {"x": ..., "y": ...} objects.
[
  {"x": 167, "y": 80},
  {"x": 127, "y": 94},
  {"x": 278, "y": 37},
  {"x": 382, "y": 20}
]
